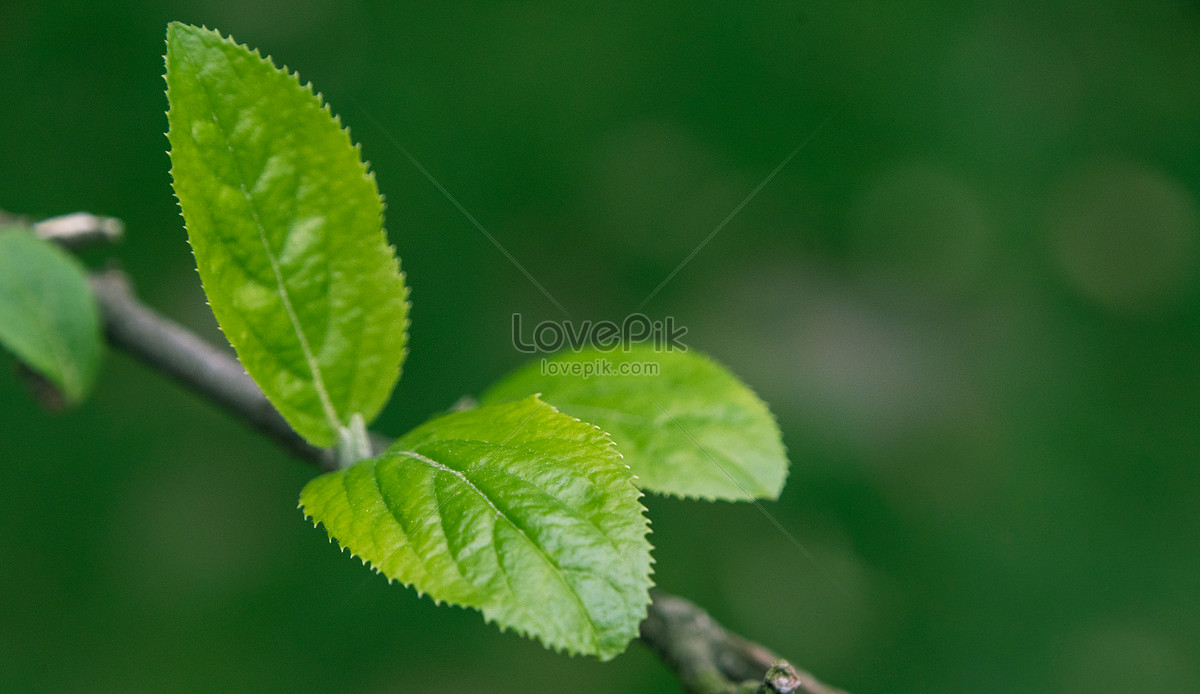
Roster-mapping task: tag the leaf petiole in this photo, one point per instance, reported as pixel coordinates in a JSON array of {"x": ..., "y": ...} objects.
[{"x": 353, "y": 443}]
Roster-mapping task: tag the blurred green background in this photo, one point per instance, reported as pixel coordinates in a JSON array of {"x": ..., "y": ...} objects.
[{"x": 971, "y": 299}]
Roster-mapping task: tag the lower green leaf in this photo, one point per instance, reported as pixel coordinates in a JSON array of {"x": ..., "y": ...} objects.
[{"x": 515, "y": 509}]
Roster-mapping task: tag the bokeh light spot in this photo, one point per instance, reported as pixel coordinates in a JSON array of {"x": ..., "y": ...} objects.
[{"x": 1125, "y": 236}]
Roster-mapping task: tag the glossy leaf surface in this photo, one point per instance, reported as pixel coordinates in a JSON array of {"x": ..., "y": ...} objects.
[
  {"x": 515, "y": 509},
  {"x": 690, "y": 429},
  {"x": 48, "y": 317},
  {"x": 286, "y": 226}
]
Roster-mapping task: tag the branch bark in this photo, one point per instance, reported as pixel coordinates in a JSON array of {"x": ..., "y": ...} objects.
[
  {"x": 710, "y": 659},
  {"x": 707, "y": 658},
  {"x": 80, "y": 230},
  {"x": 178, "y": 353},
  {"x": 75, "y": 231}
]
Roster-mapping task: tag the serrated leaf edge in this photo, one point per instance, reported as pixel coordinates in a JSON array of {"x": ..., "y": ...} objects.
[
  {"x": 318, "y": 381},
  {"x": 712, "y": 497},
  {"x": 488, "y": 619},
  {"x": 787, "y": 468}
]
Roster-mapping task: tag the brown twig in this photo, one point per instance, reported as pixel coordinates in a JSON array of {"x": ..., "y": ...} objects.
[
  {"x": 80, "y": 230},
  {"x": 707, "y": 658},
  {"x": 710, "y": 659},
  {"x": 170, "y": 348},
  {"x": 74, "y": 231}
]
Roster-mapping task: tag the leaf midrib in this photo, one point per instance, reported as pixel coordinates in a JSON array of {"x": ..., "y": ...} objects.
[
  {"x": 558, "y": 571},
  {"x": 318, "y": 381},
  {"x": 517, "y": 449}
]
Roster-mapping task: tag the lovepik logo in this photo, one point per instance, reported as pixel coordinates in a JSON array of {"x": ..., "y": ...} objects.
[{"x": 605, "y": 336}]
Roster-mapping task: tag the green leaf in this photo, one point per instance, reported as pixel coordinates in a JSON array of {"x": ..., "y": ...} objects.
[
  {"x": 286, "y": 225},
  {"x": 48, "y": 317},
  {"x": 516, "y": 509},
  {"x": 693, "y": 429}
]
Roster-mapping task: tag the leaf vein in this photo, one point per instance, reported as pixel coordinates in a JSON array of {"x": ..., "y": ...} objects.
[
  {"x": 558, "y": 570},
  {"x": 317, "y": 380}
]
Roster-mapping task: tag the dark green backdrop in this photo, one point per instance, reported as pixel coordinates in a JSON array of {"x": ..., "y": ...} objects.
[{"x": 971, "y": 299}]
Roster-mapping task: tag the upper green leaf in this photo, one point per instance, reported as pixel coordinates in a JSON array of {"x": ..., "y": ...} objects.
[
  {"x": 515, "y": 509},
  {"x": 48, "y": 317},
  {"x": 684, "y": 423},
  {"x": 286, "y": 225}
]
